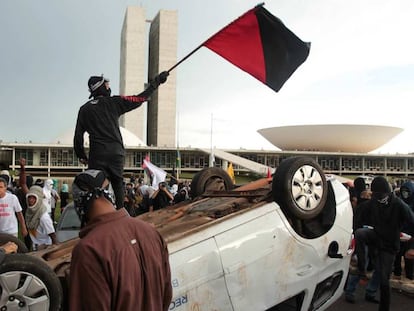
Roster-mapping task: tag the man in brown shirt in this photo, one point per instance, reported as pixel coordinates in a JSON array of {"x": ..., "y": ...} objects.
[{"x": 121, "y": 263}]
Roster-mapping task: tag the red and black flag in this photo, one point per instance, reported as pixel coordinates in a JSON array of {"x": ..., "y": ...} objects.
[{"x": 260, "y": 44}]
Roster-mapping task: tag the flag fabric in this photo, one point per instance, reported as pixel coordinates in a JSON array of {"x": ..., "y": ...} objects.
[
  {"x": 261, "y": 45},
  {"x": 212, "y": 160},
  {"x": 158, "y": 175},
  {"x": 146, "y": 170},
  {"x": 269, "y": 173},
  {"x": 230, "y": 171}
]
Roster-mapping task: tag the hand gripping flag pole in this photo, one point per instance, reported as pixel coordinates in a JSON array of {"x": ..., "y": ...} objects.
[{"x": 260, "y": 44}]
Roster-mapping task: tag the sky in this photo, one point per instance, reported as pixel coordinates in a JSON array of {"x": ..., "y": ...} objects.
[{"x": 360, "y": 69}]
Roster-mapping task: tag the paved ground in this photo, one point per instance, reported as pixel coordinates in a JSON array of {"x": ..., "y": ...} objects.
[{"x": 399, "y": 302}]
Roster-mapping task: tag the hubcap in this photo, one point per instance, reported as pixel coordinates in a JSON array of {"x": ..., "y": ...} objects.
[
  {"x": 307, "y": 188},
  {"x": 22, "y": 291}
]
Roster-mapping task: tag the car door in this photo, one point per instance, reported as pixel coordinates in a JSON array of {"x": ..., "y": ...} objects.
[
  {"x": 264, "y": 263},
  {"x": 198, "y": 279}
]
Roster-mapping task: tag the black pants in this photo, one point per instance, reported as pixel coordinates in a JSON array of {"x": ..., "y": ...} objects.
[
  {"x": 383, "y": 262},
  {"x": 64, "y": 196},
  {"x": 113, "y": 167}
]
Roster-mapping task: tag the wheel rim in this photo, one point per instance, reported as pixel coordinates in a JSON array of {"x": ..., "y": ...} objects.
[
  {"x": 307, "y": 188},
  {"x": 23, "y": 291}
]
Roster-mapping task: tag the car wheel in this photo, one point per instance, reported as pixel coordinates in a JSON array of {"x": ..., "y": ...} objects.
[
  {"x": 299, "y": 186},
  {"x": 21, "y": 247},
  {"x": 210, "y": 179},
  {"x": 27, "y": 283}
]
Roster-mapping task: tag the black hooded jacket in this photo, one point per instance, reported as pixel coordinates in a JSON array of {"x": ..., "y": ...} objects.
[
  {"x": 100, "y": 118},
  {"x": 408, "y": 186},
  {"x": 387, "y": 221}
]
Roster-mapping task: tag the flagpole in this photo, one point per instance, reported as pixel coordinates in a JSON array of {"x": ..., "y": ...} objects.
[
  {"x": 211, "y": 142},
  {"x": 188, "y": 55},
  {"x": 178, "y": 155}
]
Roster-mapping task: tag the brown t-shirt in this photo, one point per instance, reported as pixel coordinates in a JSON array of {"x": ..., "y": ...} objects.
[{"x": 120, "y": 263}]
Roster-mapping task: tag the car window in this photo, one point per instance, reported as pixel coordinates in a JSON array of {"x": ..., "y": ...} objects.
[{"x": 70, "y": 219}]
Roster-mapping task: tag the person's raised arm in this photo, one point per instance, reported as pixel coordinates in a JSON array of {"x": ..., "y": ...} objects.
[{"x": 22, "y": 176}]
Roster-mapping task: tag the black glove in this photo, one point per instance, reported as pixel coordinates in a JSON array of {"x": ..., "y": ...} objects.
[
  {"x": 154, "y": 84},
  {"x": 159, "y": 79}
]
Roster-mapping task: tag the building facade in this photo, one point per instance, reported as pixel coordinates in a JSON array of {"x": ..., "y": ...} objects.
[{"x": 59, "y": 161}]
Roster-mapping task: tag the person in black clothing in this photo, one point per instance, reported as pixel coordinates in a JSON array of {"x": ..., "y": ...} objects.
[
  {"x": 387, "y": 214},
  {"x": 161, "y": 198},
  {"x": 25, "y": 182},
  {"x": 407, "y": 195},
  {"x": 181, "y": 196},
  {"x": 100, "y": 118}
]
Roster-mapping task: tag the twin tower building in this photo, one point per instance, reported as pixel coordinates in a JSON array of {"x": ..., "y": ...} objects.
[{"x": 149, "y": 47}]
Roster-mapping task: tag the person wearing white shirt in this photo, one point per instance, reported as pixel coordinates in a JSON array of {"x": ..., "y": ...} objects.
[
  {"x": 39, "y": 222},
  {"x": 10, "y": 212}
]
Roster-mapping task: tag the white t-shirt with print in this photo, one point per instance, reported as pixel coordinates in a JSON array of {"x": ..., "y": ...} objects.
[
  {"x": 42, "y": 233},
  {"x": 9, "y": 205}
]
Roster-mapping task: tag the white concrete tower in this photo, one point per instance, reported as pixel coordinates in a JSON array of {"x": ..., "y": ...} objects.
[
  {"x": 133, "y": 67},
  {"x": 161, "y": 118}
]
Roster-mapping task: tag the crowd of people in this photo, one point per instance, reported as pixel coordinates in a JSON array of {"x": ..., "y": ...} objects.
[
  {"x": 141, "y": 197},
  {"x": 383, "y": 227},
  {"x": 383, "y": 224},
  {"x": 381, "y": 216},
  {"x": 30, "y": 205}
]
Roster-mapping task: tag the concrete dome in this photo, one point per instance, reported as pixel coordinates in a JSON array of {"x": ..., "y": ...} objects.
[
  {"x": 330, "y": 137},
  {"x": 130, "y": 139}
]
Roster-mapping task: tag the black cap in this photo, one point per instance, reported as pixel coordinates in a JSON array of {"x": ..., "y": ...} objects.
[
  {"x": 95, "y": 82},
  {"x": 380, "y": 185},
  {"x": 90, "y": 179}
]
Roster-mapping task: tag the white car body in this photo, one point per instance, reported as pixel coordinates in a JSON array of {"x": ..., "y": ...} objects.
[
  {"x": 255, "y": 261},
  {"x": 280, "y": 243}
]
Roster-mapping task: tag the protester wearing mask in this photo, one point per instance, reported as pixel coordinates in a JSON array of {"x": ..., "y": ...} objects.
[
  {"x": 38, "y": 221},
  {"x": 387, "y": 215},
  {"x": 407, "y": 195},
  {"x": 99, "y": 117},
  {"x": 120, "y": 262}
]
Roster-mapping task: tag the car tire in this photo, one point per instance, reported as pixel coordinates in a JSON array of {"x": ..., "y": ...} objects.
[
  {"x": 210, "y": 179},
  {"x": 299, "y": 186},
  {"x": 21, "y": 247},
  {"x": 27, "y": 283}
]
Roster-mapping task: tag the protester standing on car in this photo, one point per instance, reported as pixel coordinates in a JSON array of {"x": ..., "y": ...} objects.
[
  {"x": 120, "y": 263},
  {"x": 99, "y": 117},
  {"x": 388, "y": 213}
]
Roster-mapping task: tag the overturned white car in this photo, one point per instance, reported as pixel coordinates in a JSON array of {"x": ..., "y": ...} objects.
[{"x": 274, "y": 244}]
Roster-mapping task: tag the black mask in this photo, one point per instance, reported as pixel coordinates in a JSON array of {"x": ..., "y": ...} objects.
[{"x": 381, "y": 197}]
